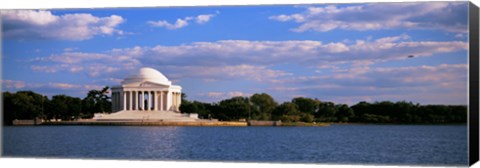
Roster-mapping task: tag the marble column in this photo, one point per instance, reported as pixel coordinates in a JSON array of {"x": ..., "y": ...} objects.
[
  {"x": 136, "y": 100},
  {"x": 155, "y": 107},
  {"x": 155, "y": 100},
  {"x": 156, "y": 97},
  {"x": 173, "y": 101},
  {"x": 126, "y": 100},
  {"x": 142, "y": 99},
  {"x": 149, "y": 101},
  {"x": 161, "y": 100}
]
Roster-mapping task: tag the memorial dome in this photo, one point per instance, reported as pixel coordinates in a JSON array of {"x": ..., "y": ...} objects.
[{"x": 147, "y": 75}]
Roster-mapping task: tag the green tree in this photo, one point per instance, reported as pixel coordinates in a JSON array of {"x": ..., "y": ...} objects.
[
  {"x": 74, "y": 107},
  {"x": 404, "y": 112},
  {"x": 263, "y": 106},
  {"x": 286, "y": 112},
  {"x": 307, "y": 117},
  {"x": 96, "y": 101},
  {"x": 203, "y": 109},
  {"x": 326, "y": 111},
  {"x": 28, "y": 104},
  {"x": 59, "y": 107},
  {"x": 9, "y": 113},
  {"x": 24, "y": 105},
  {"x": 306, "y": 105},
  {"x": 344, "y": 113},
  {"x": 188, "y": 107},
  {"x": 235, "y": 108}
]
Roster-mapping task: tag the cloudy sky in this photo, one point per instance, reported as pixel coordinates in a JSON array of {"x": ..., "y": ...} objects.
[{"x": 343, "y": 53}]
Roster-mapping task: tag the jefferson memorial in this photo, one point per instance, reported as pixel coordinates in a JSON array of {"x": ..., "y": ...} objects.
[
  {"x": 146, "y": 95},
  {"x": 149, "y": 90}
]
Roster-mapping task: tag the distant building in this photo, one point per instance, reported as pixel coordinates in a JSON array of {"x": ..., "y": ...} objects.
[
  {"x": 147, "y": 90},
  {"x": 146, "y": 96}
]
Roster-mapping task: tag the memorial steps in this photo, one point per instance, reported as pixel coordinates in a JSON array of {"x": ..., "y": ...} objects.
[{"x": 144, "y": 115}]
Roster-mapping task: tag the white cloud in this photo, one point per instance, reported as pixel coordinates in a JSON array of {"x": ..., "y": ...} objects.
[
  {"x": 99, "y": 69},
  {"x": 92, "y": 64},
  {"x": 47, "y": 69},
  {"x": 447, "y": 16},
  {"x": 237, "y": 93},
  {"x": 28, "y": 24},
  {"x": 342, "y": 69},
  {"x": 312, "y": 53},
  {"x": 74, "y": 57},
  {"x": 203, "y": 18},
  {"x": 51, "y": 88},
  {"x": 180, "y": 23},
  {"x": 235, "y": 72},
  {"x": 243, "y": 60},
  {"x": 64, "y": 85},
  {"x": 441, "y": 84},
  {"x": 284, "y": 18},
  {"x": 40, "y": 18}
]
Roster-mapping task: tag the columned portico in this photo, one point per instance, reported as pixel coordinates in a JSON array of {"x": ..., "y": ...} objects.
[{"x": 148, "y": 91}]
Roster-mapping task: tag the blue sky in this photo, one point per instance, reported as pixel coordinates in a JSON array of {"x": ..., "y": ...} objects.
[{"x": 343, "y": 53}]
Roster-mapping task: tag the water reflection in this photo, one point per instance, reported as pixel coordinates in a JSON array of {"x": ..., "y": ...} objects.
[{"x": 379, "y": 144}]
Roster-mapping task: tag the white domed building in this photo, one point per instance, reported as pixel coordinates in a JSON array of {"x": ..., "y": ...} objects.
[
  {"x": 147, "y": 94},
  {"x": 147, "y": 90}
]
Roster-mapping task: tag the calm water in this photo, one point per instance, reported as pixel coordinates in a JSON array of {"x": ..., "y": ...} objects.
[{"x": 349, "y": 144}]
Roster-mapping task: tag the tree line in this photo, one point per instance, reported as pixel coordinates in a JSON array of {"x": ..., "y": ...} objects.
[
  {"x": 27, "y": 105},
  {"x": 260, "y": 106}
]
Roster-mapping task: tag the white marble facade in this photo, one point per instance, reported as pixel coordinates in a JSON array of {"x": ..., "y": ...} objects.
[{"x": 148, "y": 90}]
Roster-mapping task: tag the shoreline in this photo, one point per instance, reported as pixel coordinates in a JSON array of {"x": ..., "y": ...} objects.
[
  {"x": 359, "y": 123},
  {"x": 147, "y": 123},
  {"x": 208, "y": 123}
]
